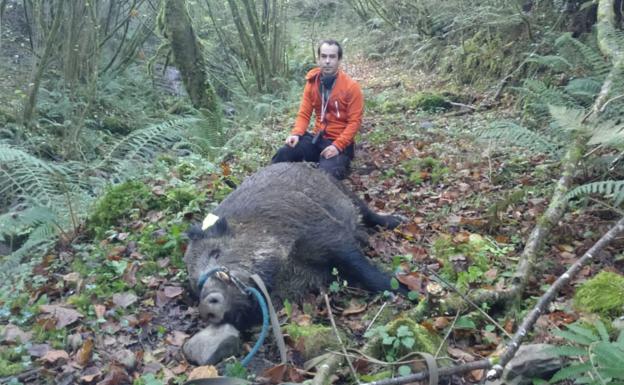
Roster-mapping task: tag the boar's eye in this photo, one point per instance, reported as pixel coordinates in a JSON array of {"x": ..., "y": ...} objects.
[{"x": 215, "y": 253}]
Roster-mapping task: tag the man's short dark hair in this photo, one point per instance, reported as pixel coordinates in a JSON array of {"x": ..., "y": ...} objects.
[{"x": 329, "y": 42}]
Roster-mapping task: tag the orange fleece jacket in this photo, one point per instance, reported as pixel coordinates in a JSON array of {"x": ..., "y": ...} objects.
[{"x": 344, "y": 109}]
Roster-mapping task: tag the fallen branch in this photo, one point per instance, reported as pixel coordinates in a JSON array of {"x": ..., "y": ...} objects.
[{"x": 497, "y": 364}]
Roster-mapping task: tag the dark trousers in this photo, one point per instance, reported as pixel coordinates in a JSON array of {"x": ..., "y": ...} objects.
[{"x": 306, "y": 151}]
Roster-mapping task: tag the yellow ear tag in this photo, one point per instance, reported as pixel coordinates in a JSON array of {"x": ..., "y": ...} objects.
[{"x": 210, "y": 220}]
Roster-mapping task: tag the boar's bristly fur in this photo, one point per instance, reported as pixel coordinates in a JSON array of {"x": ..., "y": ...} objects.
[{"x": 291, "y": 224}]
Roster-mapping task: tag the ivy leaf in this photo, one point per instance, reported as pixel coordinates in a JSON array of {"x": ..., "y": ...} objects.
[
  {"x": 404, "y": 370},
  {"x": 408, "y": 342},
  {"x": 394, "y": 284}
]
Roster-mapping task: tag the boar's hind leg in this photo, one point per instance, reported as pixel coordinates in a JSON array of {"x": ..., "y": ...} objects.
[{"x": 355, "y": 267}]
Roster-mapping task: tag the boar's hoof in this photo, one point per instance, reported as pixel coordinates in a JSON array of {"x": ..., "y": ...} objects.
[{"x": 212, "y": 344}]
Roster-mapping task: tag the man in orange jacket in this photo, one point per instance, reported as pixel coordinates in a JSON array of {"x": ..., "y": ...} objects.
[{"x": 338, "y": 104}]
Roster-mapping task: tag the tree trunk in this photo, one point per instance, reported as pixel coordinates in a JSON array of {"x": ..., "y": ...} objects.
[
  {"x": 40, "y": 66},
  {"x": 188, "y": 58}
]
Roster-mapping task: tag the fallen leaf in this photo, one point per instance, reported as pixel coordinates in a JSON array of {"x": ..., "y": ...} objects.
[
  {"x": 64, "y": 316},
  {"x": 83, "y": 355},
  {"x": 52, "y": 356},
  {"x": 181, "y": 368},
  {"x": 354, "y": 308},
  {"x": 281, "y": 373},
  {"x": 491, "y": 274},
  {"x": 13, "y": 334},
  {"x": 440, "y": 323},
  {"x": 116, "y": 376},
  {"x": 460, "y": 354},
  {"x": 90, "y": 374},
  {"x": 176, "y": 338},
  {"x": 413, "y": 281},
  {"x": 124, "y": 299},
  {"x": 173, "y": 291},
  {"x": 477, "y": 375},
  {"x": 100, "y": 310},
  {"x": 130, "y": 274},
  {"x": 208, "y": 371}
]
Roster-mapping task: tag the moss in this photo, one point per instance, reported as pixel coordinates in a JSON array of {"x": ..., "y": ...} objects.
[
  {"x": 312, "y": 340},
  {"x": 11, "y": 361},
  {"x": 118, "y": 203},
  {"x": 603, "y": 294},
  {"x": 420, "y": 170}
]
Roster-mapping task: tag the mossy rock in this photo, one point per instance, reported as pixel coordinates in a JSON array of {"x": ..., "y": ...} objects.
[
  {"x": 312, "y": 340},
  {"x": 428, "y": 101},
  {"x": 425, "y": 101},
  {"x": 603, "y": 294},
  {"x": 412, "y": 338}
]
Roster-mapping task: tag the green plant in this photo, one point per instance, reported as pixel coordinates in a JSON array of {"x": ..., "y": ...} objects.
[
  {"x": 395, "y": 344},
  {"x": 602, "y": 294},
  {"x": 118, "y": 203},
  {"x": 596, "y": 359},
  {"x": 337, "y": 284}
]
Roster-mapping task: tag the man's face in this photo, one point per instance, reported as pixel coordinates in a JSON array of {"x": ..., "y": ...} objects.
[{"x": 328, "y": 60}]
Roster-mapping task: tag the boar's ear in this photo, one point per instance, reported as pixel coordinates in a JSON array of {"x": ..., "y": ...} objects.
[
  {"x": 195, "y": 233},
  {"x": 219, "y": 228}
]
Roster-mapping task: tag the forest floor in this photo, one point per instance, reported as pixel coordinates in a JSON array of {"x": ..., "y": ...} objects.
[{"x": 463, "y": 199}]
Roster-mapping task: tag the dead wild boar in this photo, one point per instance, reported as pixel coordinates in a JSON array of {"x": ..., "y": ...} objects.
[{"x": 291, "y": 224}]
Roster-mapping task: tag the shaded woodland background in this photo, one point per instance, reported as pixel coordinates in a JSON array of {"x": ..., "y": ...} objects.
[{"x": 123, "y": 120}]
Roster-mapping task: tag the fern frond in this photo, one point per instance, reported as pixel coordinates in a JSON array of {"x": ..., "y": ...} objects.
[
  {"x": 554, "y": 62},
  {"x": 142, "y": 145},
  {"x": 40, "y": 240},
  {"x": 510, "y": 132},
  {"x": 582, "y": 54},
  {"x": 611, "y": 189},
  {"x": 22, "y": 174},
  {"x": 570, "y": 119}
]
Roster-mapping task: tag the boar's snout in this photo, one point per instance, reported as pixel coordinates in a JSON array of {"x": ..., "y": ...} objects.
[{"x": 212, "y": 307}]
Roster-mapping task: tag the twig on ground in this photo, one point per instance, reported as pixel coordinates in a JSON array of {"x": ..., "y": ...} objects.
[
  {"x": 376, "y": 315},
  {"x": 344, "y": 350}
]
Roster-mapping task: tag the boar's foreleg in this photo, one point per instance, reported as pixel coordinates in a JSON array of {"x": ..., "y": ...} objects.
[{"x": 355, "y": 267}]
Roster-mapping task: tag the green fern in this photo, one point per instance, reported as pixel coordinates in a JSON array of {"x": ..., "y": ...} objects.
[
  {"x": 611, "y": 189},
  {"x": 513, "y": 133},
  {"x": 597, "y": 359},
  {"x": 142, "y": 145}
]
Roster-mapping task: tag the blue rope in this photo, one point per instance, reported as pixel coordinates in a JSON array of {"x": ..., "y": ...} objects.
[
  {"x": 265, "y": 325},
  {"x": 263, "y": 306}
]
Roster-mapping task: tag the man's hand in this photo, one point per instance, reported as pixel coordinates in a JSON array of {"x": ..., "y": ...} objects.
[
  {"x": 292, "y": 140},
  {"x": 329, "y": 152}
]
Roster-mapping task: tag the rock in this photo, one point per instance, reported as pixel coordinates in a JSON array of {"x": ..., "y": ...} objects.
[
  {"x": 530, "y": 362},
  {"x": 212, "y": 344}
]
